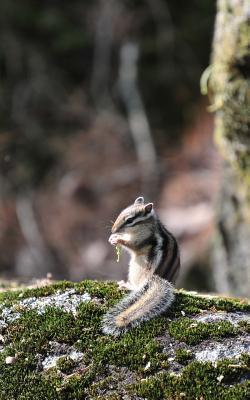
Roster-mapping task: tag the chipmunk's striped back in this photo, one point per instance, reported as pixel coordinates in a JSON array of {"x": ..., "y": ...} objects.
[{"x": 165, "y": 254}]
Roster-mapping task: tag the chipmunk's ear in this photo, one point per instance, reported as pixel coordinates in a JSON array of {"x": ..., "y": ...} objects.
[
  {"x": 139, "y": 200},
  {"x": 148, "y": 208}
]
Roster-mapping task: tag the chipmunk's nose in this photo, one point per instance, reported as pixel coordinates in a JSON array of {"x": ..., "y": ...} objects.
[
  {"x": 110, "y": 238},
  {"x": 113, "y": 239}
]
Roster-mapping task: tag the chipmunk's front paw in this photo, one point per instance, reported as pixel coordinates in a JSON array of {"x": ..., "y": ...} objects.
[
  {"x": 119, "y": 238},
  {"x": 114, "y": 239}
]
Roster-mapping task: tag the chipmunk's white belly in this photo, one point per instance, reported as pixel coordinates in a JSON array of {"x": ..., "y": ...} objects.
[{"x": 138, "y": 273}]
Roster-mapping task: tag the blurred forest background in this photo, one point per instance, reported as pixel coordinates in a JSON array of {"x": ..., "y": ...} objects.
[{"x": 100, "y": 103}]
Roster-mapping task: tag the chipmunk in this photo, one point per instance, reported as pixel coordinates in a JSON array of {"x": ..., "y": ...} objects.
[{"x": 153, "y": 267}]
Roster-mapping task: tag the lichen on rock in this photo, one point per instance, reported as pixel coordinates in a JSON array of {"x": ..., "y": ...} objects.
[{"x": 199, "y": 349}]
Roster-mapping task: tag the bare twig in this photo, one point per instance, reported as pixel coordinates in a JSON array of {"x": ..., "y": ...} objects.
[{"x": 137, "y": 117}]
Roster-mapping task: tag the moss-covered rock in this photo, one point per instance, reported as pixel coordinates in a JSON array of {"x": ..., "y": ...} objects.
[{"x": 52, "y": 346}]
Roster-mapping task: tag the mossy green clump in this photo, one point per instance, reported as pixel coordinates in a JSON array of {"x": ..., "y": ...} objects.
[
  {"x": 192, "y": 332},
  {"x": 21, "y": 381},
  {"x": 32, "y": 332},
  {"x": 104, "y": 290},
  {"x": 197, "y": 381},
  {"x": 246, "y": 359},
  {"x": 192, "y": 304},
  {"x": 139, "y": 352},
  {"x": 65, "y": 364},
  {"x": 135, "y": 350},
  {"x": 183, "y": 356},
  {"x": 245, "y": 325}
]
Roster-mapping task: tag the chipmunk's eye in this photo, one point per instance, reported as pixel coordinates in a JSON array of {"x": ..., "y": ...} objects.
[{"x": 129, "y": 220}]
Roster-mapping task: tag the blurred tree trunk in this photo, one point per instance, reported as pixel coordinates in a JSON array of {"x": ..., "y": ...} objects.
[{"x": 229, "y": 84}]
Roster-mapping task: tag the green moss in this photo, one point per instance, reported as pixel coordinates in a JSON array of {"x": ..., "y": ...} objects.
[
  {"x": 192, "y": 332},
  {"x": 73, "y": 387},
  {"x": 192, "y": 304},
  {"x": 65, "y": 364},
  {"x": 134, "y": 350},
  {"x": 183, "y": 356},
  {"x": 246, "y": 359},
  {"x": 245, "y": 325},
  {"x": 197, "y": 381},
  {"x": 138, "y": 351},
  {"x": 20, "y": 381},
  {"x": 100, "y": 386},
  {"x": 32, "y": 332},
  {"x": 107, "y": 290}
]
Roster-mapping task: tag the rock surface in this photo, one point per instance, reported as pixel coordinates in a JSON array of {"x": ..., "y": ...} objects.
[{"x": 51, "y": 346}]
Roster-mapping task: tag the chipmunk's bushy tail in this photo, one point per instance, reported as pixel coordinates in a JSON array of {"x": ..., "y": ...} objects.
[{"x": 151, "y": 300}]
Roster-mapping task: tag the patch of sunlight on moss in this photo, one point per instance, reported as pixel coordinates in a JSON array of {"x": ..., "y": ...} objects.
[
  {"x": 197, "y": 381},
  {"x": 191, "y": 332},
  {"x": 194, "y": 304}
]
